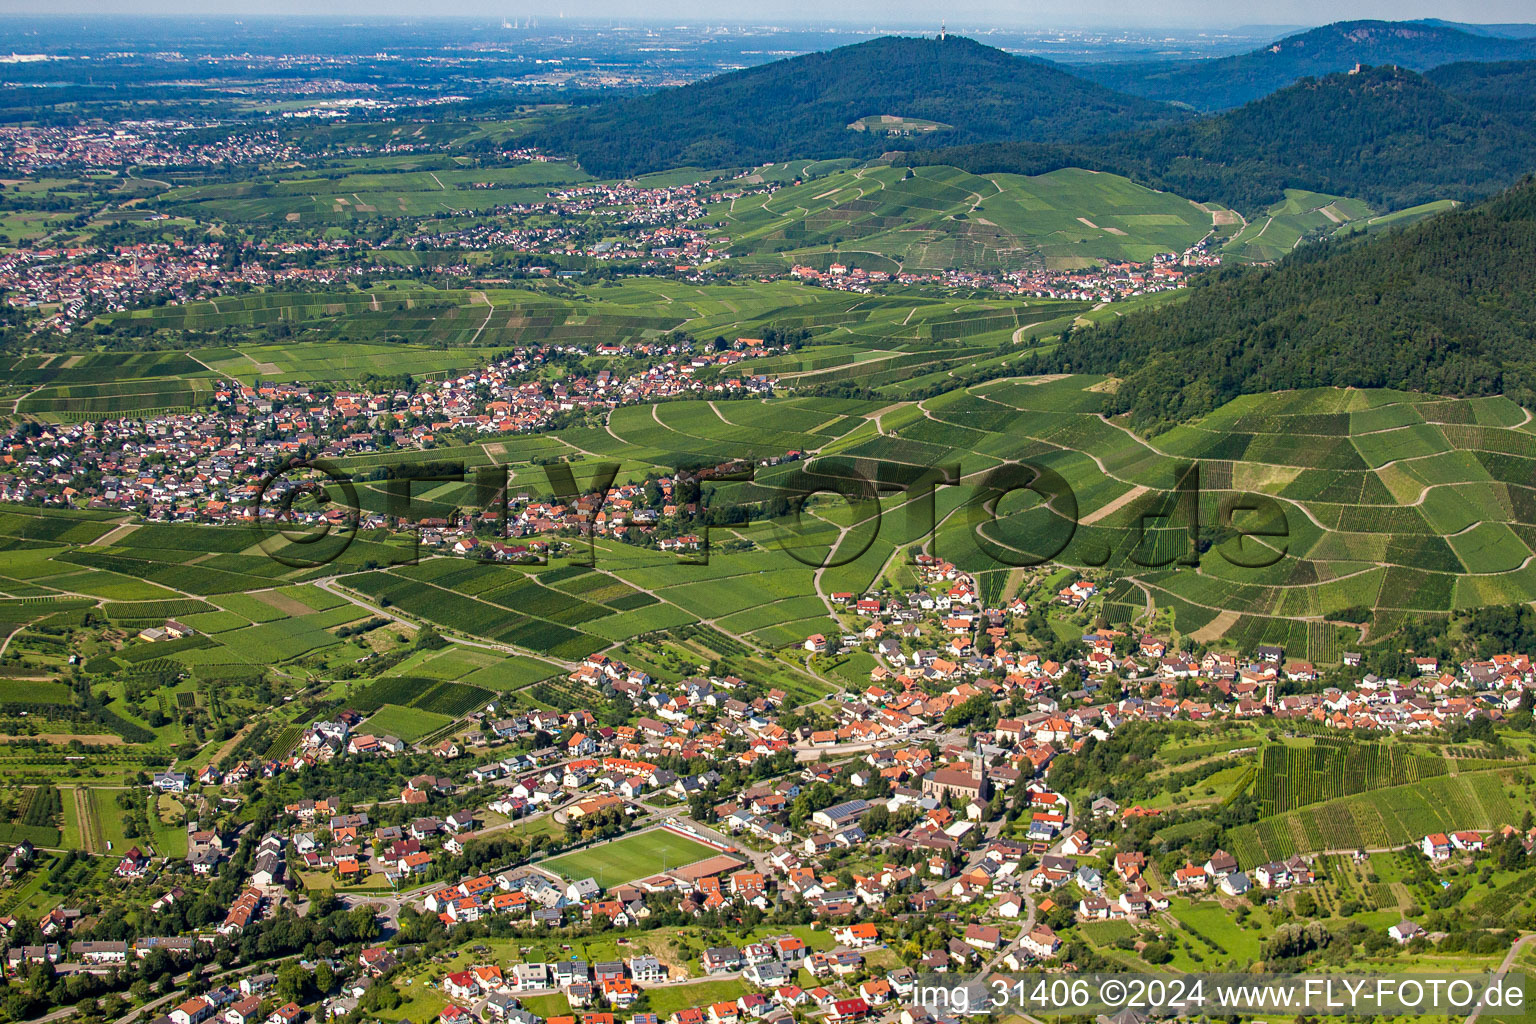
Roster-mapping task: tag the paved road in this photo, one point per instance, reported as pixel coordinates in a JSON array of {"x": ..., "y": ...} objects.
[
  {"x": 212, "y": 970},
  {"x": 1031, "y": 911},
  {"x": 1509, "y": 961}
]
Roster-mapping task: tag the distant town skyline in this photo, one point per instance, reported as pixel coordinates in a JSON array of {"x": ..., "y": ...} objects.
[{"x": 961, "y": 14}]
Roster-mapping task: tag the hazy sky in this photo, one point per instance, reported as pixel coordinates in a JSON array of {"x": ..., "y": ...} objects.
[{"x": 964, "y": 13}]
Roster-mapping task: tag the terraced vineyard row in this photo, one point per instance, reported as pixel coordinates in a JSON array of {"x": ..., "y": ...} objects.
[
  {"x": 1292, "y": 776},
  {"x": 1389, "y": 817}
]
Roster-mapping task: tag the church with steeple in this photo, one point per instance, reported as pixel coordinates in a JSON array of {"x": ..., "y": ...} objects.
[{"x": 960, "y": 784}]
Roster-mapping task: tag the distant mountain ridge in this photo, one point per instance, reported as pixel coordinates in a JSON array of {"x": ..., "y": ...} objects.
[
  {"x": 1391, "y": 137},
  {"x": 801, "y": 108},
  {"x": 1221, "y": 83},
  {"x": 1507, "y": 31}
]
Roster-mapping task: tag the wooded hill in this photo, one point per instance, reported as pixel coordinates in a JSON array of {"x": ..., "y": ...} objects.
[
  {"x": 1219, "y": 83},
  {"x": 1391, "y": 137},
  {"x": 1446, "y": 307},
  {"x": 1505, "y": 88},
  {"x": 802, "y": 107}
]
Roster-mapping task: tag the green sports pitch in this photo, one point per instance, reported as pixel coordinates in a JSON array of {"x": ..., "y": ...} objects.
[{"x": 637, "y": 856}]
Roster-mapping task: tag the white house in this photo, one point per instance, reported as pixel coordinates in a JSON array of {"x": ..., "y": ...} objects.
[{"x": 1042, "y": 942}]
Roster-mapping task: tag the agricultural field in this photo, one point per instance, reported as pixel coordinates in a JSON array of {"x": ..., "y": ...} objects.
[
  {"x": 529, "y": 609},
  {"x": 632, "y": 857},
  {"x": 249, "y": 614},
  {"x": 1351, "y": 543},
  {"x": 1292, "y": 775},
  {"x": 1398, "y": 218},
  {"x": 1389, "y": 817},
  {"x": 926, "y": 218},
  {"x": 342, "y": 335},
  {"x": 931, "y": 218},
  {"x": 1307, "y": 216},
  {"x": 1300, "y": 216},
  {"x": 1357, "y": 534},
  {"x": 412, "y": 187},
  {"x": 1400, "y": 503},
  {"x": 72, "y": 387},
  {"x": 408, "y": 724},
  {"x": 1397, "y": 504},
  {"x": 441, "y": 697},
  {"x": 893, "y": 124}
]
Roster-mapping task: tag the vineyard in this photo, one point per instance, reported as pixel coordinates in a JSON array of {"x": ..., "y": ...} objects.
[
  {"x": 408, "y": 724},
  {"x": 1292, "y": 775},
  {"x": 453, "y": 699},
  {"x": 434, "y": 695},
  {"x": 284, "y": 742},
  {"x": 561, "y": 695},
  {"x": 1388, "y": 817},
  {"x": 37, "y": 814},
  {"x": 498, "y": 622}
]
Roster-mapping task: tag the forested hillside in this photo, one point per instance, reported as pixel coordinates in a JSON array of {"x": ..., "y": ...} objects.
[
  {"x": 1448, "y": 306},
  {"x": 1391, "y": 137},
  {"x": 1220, "y": 83},
  {"x": 802, "y": 107},
  {"x": 1505, "y": 88}
]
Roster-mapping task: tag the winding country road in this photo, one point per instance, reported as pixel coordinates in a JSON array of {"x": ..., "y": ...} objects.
[{"x": 1509, "y": 961}]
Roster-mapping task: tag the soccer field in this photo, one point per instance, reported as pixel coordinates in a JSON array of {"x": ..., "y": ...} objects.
[{"x": 625, "y": 860}]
